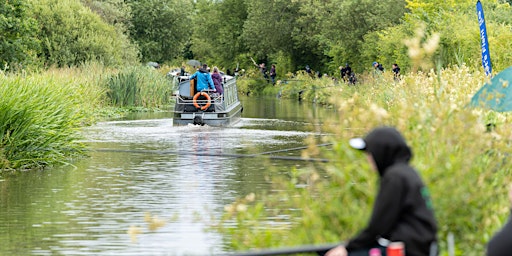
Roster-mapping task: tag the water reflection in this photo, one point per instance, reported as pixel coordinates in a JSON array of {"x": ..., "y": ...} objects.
[{"x": 138, "y": 166}]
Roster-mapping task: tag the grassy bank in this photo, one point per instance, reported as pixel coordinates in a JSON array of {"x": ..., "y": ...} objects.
[
  {"x": 41, "y": 113},
  {"x": 465, "y": 166}
]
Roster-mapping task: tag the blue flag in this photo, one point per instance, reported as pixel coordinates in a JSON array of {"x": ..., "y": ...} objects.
[{"x": 486, "y": 55}]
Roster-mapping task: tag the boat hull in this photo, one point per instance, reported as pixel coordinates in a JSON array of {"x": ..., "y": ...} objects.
[{"x": 224, "y": 118}]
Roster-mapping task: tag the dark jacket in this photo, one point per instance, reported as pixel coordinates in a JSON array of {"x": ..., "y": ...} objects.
[
  {"x": 402, "y": 210},
  {"x": 217, "y": 81},
  {"x": 501, "y": 242}
]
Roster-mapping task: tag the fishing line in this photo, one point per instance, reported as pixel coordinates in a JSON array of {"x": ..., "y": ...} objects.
[{"x": 192, "y": 153}]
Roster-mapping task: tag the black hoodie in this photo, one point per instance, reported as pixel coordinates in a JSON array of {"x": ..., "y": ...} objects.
[
  {"x": 402, "y": 210},
  {"x": 500, "y": 244}
]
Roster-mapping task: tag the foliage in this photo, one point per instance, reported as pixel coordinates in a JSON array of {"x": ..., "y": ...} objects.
[
  {"x": 358, "y": 19},
  {"x": 138, "y": 87},
  {"x": 326, "y": 203},
  {"x": 39, "y": 117},
  {"x": 160, "y": 27},
  {"x": 269, "y": 27},
  {"x": 251, "y": 83},
  {"x": 114, "y": 12},
  {"x": 72, "y": 35},
  {"x": 457, "y": 24},
  {"x": 18, "y": 44},
  {"x": 289, "y": 33}
]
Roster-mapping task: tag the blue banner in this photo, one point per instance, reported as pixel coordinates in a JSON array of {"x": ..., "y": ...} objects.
[{"x": 486, "y": 55}]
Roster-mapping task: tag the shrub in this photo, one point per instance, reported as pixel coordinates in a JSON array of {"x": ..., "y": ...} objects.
[{"x": 72, "y": 34}]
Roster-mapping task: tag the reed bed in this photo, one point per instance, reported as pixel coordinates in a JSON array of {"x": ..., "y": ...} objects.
[
  {"x": 41, "y": 113},
  {"x": 464, "y": 163},
  {"x": 40, "y": 116},
  {"x": 138, "y": 87}
]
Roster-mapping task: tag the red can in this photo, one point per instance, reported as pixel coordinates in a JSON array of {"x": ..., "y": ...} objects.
[{"x": 396, "y": 249}]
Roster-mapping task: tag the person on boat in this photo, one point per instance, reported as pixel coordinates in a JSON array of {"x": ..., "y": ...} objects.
[
  {"x": 204, "y": 79},
  {"x": 501, "y": 243},
  {"x": 217, "y": 80},
  {"x": 402, "y": 211}
]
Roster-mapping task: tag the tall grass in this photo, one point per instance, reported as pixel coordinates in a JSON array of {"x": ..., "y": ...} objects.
[
  {"x": 40, "y": 115},
  {"x": 464, "y": 164},
  {"x": 138, "y": 87}
]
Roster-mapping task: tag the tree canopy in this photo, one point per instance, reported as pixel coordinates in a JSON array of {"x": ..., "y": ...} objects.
[{"x": 290, "y": 33}]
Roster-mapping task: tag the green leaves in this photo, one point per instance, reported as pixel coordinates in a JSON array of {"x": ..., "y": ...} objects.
[
  {"x": 18, "y": 42},
  {"x": 161, "y": 28}
]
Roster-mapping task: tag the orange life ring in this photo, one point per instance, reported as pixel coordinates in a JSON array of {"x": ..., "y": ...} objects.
[{"x": 208, "y": 103}]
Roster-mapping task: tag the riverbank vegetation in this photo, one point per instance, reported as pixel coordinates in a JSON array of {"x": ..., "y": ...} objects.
[
  {"x": 41, "y": 113},
  {"x": 462, "y": 160}
]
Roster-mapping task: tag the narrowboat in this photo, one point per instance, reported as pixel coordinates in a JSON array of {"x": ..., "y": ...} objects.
[{"x": 206, "y": 107}]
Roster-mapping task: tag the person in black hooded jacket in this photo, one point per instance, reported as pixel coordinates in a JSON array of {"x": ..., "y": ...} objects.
[
  {"x": 402, "y": 210},
  {"x": 501, "y": 242}
]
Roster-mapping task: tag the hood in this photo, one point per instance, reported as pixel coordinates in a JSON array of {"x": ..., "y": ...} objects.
[
  {"x": 387, "y": 147},
  {"x": 203, "y": 70}
]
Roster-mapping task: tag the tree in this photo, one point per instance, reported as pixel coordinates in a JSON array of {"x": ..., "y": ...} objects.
[
  {"x": 72, "y": 35},
  {"x": 113, "y": 12},
  {"x": 161, "y": 28},
  {"x": 18, "y": 43},
  {"x": 269, "y": 27},
  {"x": 217, "y": 31}
]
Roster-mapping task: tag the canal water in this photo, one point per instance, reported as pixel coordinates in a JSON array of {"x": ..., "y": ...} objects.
[{"x": 148, "y": 188}]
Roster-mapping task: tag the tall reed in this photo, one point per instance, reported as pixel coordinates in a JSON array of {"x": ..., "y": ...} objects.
[
  {"x": 138, "y": 87},
  {"x": 40, "y": 115}
]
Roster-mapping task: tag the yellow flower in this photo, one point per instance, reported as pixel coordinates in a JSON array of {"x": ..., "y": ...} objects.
[{"x": 133, "y": 231}]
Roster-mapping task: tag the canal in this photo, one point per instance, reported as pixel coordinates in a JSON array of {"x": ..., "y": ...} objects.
[{"x": 148, "y": 188}]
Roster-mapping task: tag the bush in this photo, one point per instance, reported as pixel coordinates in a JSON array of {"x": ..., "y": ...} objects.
[{"x": 72, "y": 34}]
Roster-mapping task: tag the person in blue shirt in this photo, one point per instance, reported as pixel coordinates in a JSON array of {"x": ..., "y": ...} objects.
[{"x": 204, "y": 79}]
